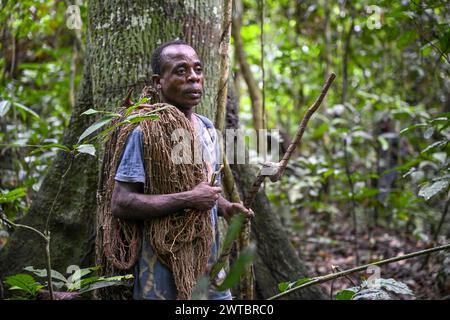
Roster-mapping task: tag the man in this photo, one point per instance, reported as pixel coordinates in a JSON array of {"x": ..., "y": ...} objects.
[{"x": 178, "y": 77}]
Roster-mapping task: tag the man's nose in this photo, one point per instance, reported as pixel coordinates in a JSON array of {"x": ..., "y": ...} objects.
[{"x": 193, "y": 76}]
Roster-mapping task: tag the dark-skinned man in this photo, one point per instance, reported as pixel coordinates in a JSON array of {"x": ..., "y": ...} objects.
[{"x": 178, "y": 77}]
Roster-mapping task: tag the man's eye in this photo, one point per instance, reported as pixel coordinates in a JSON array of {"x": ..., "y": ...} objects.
[
  {"x": 198, "y": 69},
  {"x": 181, "y": 71}
]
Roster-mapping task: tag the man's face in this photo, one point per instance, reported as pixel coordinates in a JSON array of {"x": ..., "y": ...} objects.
[{"x": 181, "y": 81}]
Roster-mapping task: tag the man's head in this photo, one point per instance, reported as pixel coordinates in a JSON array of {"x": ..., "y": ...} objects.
[{"x": 178, "y": 74}]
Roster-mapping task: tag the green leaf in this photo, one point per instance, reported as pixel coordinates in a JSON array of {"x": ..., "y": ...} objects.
[
  {"x": 234, "y": 229},
  {"x": 434, "y": 145},
  {"x": 383, "y": 142},
  {"x": 94, "y": 127},
  {"x": 4, "y": 107},
  {"x": 93, "y": 111},
  {"x": 345, "y": 295},
  {"x": 138, "y": 118},
  {"x": 106, "y": 282},
  {"x": 283, "y": 286},
  {"x": 13, "y": 195},
  {"x": 26, "y": 109},
  {"x": 414, "y": 126},
  {"x": 51, "y": 146},
  {"x": 301, "y": 281},
  {"x": 430, "y": 190},
  {"x": 86, "y": 148},
  {"x": 43, "y": 273},
  {"x": 75, "y": 281},
  {"x": 23, "y": 282},
  {"x": 134, "y": 106},
  {"x": 238, "y": 268}
]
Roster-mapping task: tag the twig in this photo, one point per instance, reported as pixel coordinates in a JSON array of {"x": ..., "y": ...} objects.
[
  {"x": 46, "y": 238},
  {"x": 333, "y": 276},
  {"x": 352, "y": 202},
  {"x": 224, "y": 66}
]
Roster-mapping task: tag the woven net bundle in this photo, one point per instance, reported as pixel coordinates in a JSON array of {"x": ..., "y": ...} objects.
[{"x": 181, "y": 241}]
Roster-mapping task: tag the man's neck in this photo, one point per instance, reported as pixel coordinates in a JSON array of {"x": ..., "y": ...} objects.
[{"x": 188, "y": 113}]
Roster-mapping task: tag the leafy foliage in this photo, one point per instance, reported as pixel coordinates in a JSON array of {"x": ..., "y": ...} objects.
[
  {"x": 74, "y": 286},
  {"x": 379, "y": 290}
]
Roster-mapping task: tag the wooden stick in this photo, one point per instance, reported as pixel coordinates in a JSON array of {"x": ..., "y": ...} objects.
[
  {"x": 333, "y": 276},
  {"x": 281, "y": 166}
]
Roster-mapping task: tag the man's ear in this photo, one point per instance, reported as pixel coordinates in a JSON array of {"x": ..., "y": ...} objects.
[{"x": 156, "y": 80}]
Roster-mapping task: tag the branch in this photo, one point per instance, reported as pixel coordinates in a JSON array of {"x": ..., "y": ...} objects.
[
  {"x": 46, "y": 237},
  {"x": 224, "y": 66},
  {"x": 333, "y": 276}
]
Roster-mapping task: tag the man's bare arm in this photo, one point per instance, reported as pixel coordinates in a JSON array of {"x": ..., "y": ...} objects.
[{"x": 128, "y": 201}]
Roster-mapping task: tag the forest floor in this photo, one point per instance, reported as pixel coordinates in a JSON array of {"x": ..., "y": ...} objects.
[{"x": 323, "y": 245}]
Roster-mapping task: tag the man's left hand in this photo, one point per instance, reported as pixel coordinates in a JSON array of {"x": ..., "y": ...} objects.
[{"x": 231, "y": 208}]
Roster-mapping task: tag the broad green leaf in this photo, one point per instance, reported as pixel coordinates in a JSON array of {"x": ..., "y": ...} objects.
[
  {"x": 77, "y": 283},
  {"x": 238, "y": 268},
  {"x": 94, "y": 127},
  {"x": 102, "y": 282},
  {"x": 43, "y": 273},
  {"x": 233, "y": 231},
  {"x": 23, "y": 282},
  {"x": 430, "y": 190},
  {"x": 86, "y": 148}
]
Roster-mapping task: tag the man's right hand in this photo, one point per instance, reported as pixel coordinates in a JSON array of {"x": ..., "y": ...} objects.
[{"x": 203, "y": 196}]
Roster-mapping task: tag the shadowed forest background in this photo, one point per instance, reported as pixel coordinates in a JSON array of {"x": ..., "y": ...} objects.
[{"x": 370, "y": 180}]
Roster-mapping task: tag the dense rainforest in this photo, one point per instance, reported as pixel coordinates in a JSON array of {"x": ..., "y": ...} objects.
[{"x": 368, "y": 182}]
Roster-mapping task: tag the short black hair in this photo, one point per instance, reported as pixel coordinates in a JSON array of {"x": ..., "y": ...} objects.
[{"x": 157, "y": 54}]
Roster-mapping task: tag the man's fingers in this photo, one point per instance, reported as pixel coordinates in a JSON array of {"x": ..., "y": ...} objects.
[{"x": 217, "y": 189}]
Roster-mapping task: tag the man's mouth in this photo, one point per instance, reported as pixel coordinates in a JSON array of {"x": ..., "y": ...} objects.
[{"x": 194, "y": 93}]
